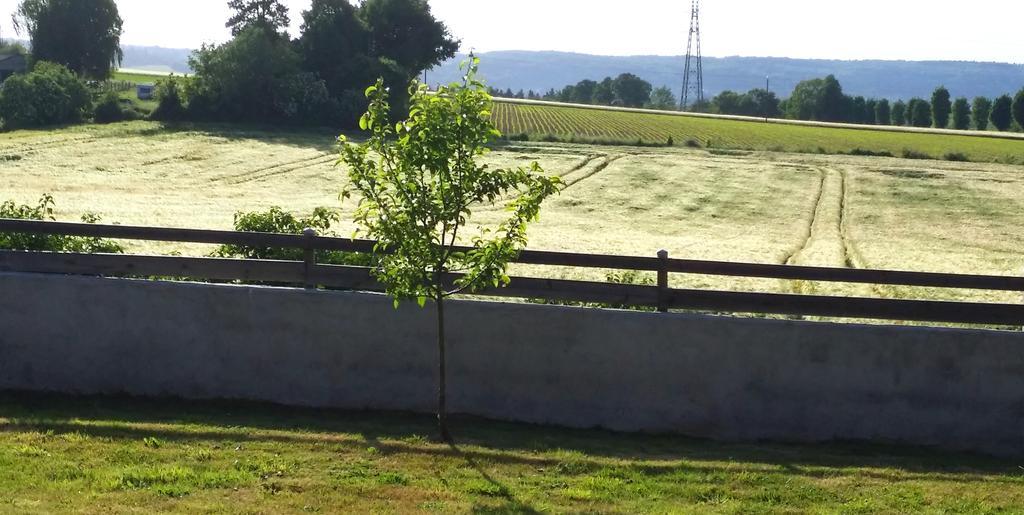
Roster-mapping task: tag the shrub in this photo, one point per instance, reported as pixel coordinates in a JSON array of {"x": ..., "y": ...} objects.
[
  {"x": 50, "y": 243},
  {"x": 170, "y": 106},
  {"x": 109, "y": 109},
  {"x": 48, "y": 95},
  {"x": 956, "y": 156},
  {"x": 909, "y": 153},
  {"x": 276, "y": 220},
  {"x": 870, "y": 153}
]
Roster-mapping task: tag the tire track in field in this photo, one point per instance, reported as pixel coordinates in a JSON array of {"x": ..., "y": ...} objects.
[
  {"x": 608, "y": 160},
  {"x": 790, "y": 258},
  {"x": 252, "y": 175},
  {"x": 29, "y": 147},
  {"x": 328, "y": 158}
]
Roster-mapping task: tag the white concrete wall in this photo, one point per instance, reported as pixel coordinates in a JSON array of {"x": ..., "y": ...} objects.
[{"x": 716, "y": 377}]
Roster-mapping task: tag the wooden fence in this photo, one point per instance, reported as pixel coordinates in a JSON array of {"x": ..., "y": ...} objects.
[{"x": 312, "y": 274}]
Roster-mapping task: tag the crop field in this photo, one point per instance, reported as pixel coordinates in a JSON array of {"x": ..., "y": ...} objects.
[
  {"x": 749, "y": 206},
  {"x": 545, "y": 122}
]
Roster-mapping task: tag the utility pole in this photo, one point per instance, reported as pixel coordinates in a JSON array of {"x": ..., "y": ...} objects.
[
  {"x": 693, "y": 76},
  {"x": 767, "y": 92}
]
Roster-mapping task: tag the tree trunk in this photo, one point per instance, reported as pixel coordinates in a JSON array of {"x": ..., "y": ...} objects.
[{"x": 442, "y": 381}]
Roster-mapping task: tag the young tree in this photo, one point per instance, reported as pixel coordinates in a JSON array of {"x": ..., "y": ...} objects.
[
  {"x": 267, "y": 15},
  {"x": 82, "y": 35},
  {"x": 662, "y": 98},
  {"x": 941, "y": 107},
  {"x": 883, "y": 113},
  {"x": 899, "y": 113},
  {"x": 980, "y": 111},
  {"x": 1018, "y": 108},
  {"x": 1002, "y": 113},
  {"x": 418, "y": 182},
  {"x": 961, "y": 114}
]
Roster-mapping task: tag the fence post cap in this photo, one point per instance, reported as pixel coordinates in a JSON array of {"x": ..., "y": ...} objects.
[
  {"x": 662, "y": 253},
  {"x": 310, "y": 232}
]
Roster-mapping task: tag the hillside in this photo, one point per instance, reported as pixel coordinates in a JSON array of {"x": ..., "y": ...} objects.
[{"x": 541, "y": 71}]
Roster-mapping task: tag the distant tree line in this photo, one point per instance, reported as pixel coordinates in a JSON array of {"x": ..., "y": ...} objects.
[
  {"x": 626, "y": 90},
  {"x": 820, "y": 99}
]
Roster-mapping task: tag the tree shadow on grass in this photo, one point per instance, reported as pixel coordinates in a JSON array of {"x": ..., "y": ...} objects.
[{"x": 577, "y": 451}]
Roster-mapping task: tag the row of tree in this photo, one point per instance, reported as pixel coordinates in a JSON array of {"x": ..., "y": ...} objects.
[
  {"x": 824, "y": 100},
  {"x": 262, "y": 74},
  {"x": 626, "y": 90}
]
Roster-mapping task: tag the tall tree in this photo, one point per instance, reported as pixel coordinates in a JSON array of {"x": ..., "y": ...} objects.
[
  {"x": 583, "y": 93},
  {"x": 981, "y": 108},
  {"x": 604, "y": 93},
  {"x": 899, "y": 113},
  {"x": 631, "y": 90},
  {"x": 406, "y": 32},
  {"x": 1018, "y": 108},
  {"x": 418, "y": 182},
  {"x": 961, "y": 114},
  {"x": 268, "y": 15},
  {"x": 883, "y": 113},
  {"x": 1002, "y": 113},
  {"x": 334, "y": 44},
  {"x": 870, "y": 106},
  {"x": 833, "y": 101},
  {"x": 920, "y": 113},
  {"x": 662, "y": 98},
  {"x": 941, "y": 107},
  {"x": 82, "y": 35}
]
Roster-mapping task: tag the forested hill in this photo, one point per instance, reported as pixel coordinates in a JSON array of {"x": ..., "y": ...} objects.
[{"x": 541, "y": 71}]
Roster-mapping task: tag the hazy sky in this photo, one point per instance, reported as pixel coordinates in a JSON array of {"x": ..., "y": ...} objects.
[{"x": 985, "y": 30}]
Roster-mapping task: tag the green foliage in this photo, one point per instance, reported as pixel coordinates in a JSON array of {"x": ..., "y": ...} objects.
[
  {"x": 1002, "y": 113},
  {"x": 819, "y": 100},
  {"x": 919, "y": 113},
  {"x": 981, "y": 109},
  {"x": 255, "y": 77},
  {"x": 277, "y": 220},
  {"x": 110, "y": 109},
  {"x": 961, "y": 114},
  {"x": 170, "y": 105},
  {"x": 941, "y": 107},
  {"x": 883, "y": 113},
  {"x": 265, "y": 15},
  {"x": 632, "y": 91},
  {"x": 50, "y": 94},
  {"x": 757, "y": 102},
  {"x": 83, "y": 35},
  {"x": 406, "y": 32},
  {"x": 662, "y": 98},
  {"x": 50, "y": 243},
  {"x": 1018, "y": 108},
  {"x": 418, "y": 181},
  {"x": 899, "y": 113}
]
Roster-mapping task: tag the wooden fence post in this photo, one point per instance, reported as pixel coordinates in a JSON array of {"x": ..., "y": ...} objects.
[
  {"x": 663, "y": 282},
  {"x": 309, "y": 257}
]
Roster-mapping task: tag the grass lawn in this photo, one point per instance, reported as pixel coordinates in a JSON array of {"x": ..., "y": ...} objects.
[{"x": 64, "y": 454}]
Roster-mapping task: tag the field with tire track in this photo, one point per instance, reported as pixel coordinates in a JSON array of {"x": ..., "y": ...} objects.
[{"x": 764, "y": 207}]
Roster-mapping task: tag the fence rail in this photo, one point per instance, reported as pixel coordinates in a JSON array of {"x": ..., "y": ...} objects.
[{"x": 310, "y": 273}]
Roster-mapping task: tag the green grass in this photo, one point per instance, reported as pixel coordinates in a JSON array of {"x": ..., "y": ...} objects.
[
  {"x": 542, "y": 122},
  {"x": 63, "y": 454},
  {"x": 138, "y": 78}
]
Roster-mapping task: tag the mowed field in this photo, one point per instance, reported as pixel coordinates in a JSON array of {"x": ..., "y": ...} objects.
[
  {"x": 763, "y": 207},
  {"x": 548, "y": 122}
]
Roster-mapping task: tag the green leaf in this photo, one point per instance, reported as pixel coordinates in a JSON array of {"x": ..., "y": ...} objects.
[
  {"x": 422, "y": 301},
  {"x": 364, "y": 122}
]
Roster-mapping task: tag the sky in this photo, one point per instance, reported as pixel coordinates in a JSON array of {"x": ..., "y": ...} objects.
[{"x": 832, "y": 29}]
